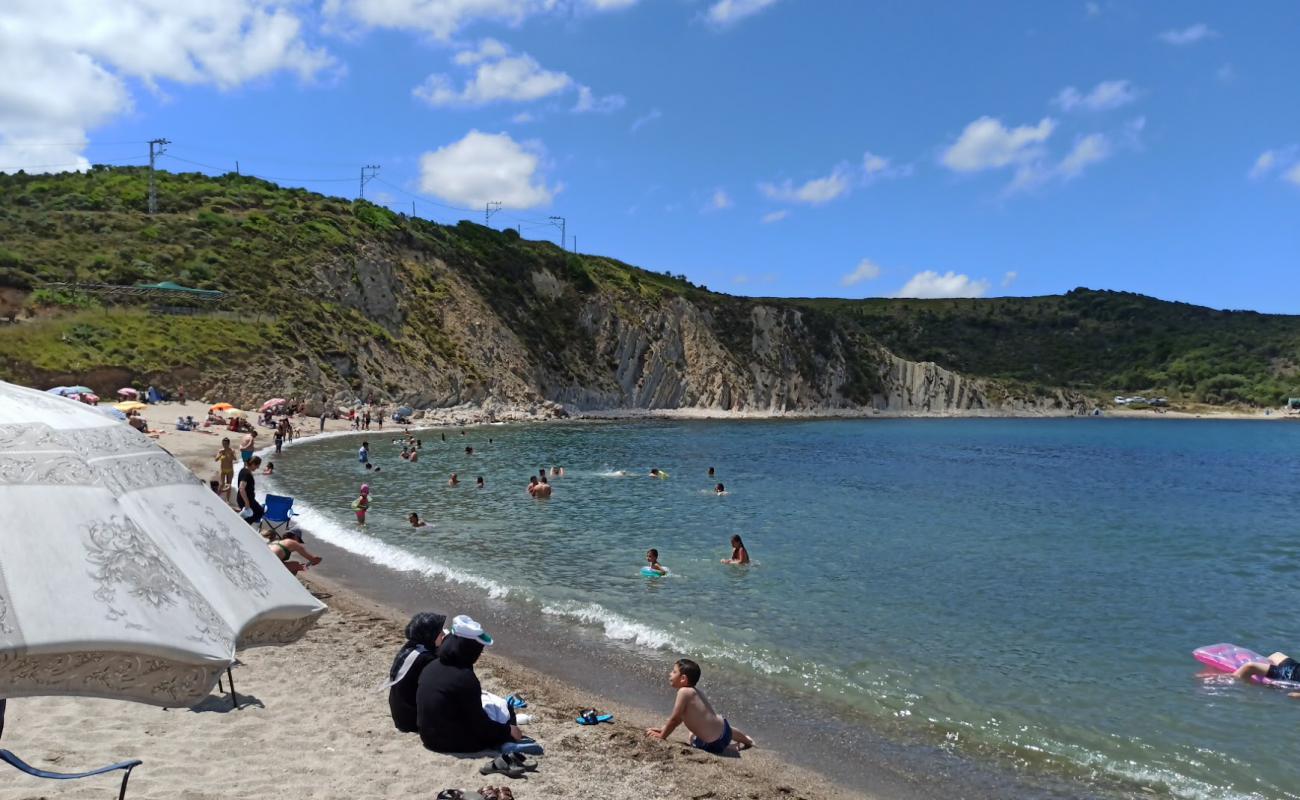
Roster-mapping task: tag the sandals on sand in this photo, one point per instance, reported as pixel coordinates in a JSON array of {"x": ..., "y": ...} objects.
[
  {"x": 524, "y": 745},
  {"x": 496, "y": 793},
  {"x": 502, "y": 765},
  {"x": 522, "y": 761},
  {"x": 590, "y": 716},
  {"x": 516, "y": 701}
]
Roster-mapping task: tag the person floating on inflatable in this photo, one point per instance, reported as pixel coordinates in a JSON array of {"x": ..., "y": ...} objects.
[
  {"x": 653, "y": 568},
  {"x": 1279, "y": 667},
  {"x": 658, "y": 473}
]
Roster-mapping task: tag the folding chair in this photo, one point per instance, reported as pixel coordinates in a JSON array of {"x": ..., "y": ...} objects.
[
  {"x": 279, "y": 516},
  {"x": 18, "y": 763}
]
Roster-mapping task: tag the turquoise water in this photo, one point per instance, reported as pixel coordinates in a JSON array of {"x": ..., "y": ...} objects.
[{"x": 1024, "y": 590}]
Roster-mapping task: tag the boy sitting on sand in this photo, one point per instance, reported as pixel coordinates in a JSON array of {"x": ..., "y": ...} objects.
[{"x": 711, "y": 732}]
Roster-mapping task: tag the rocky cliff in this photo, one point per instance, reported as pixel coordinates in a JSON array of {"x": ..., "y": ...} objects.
[{"x": 348, "y": 300}]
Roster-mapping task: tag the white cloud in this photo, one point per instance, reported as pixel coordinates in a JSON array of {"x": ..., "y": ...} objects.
[
  {"x": 718, "y": 201},
  {"x": 1281, "y": 161},
  {"x": 487, "y": 50},
  {"x": 987, "y": 144},
  {"x": 588, "y": 102},
  {"x": 727, "y": 12},
  {"x": 66, "y": 63},
  {"x": 1087, "y": 151},
  {"x": 1103, "y": 97},
  {"x": 496, "y": 79},
  {"x": 1264, "y": 164},
  {"x": 443, "y": 18},
  {"x": 523, "y": 118},
  {"x": 486, "y": 167},
  {"x": 814, "y": 192},
  {"x": 775, "y": 216},
  {"x": 930, "y": 284},
  {"x": 866, "y": 270},
  {"x": 1189, "y": 35},
  {"x": 1009, "y": 278},
  {"x": 645, "y": 119},
  {"x": 873, "y": 164}
]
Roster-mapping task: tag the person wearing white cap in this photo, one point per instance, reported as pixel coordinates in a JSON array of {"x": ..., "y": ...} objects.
[{"x": 449, "y": 707}]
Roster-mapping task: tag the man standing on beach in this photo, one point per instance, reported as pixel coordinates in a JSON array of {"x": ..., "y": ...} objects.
[
  {"x": 322, "y": 419},
  {"x": 246, "y": 446},
  {"x": 247, "y": 497},
  {"x": 180, "y": 394},
  {"x": 226, "y": 466}
]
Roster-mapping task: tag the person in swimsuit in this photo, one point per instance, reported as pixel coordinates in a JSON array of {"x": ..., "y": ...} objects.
[
  {"x": 284, "y": 548},
  {"x": 739, "y": 555},
  {"x": 478, "y": 482},
  {"x": 225, "y": 459},
  {"x": 453, "y": 480},
  {"x": 710, "y": 472},
  {"x": 362, "y": 504},
  {"x": 652, "y": 559},
  {"x": 1279, "y": 667},
  {"x": 532, "y": 485},
  {"x": 711, "y": 732},
  {"x": 543, "y": 490},
  {"x": 719, "y": 490},
  {"x": 415, "y": 520},
  {"x": 270, "y": 468}
]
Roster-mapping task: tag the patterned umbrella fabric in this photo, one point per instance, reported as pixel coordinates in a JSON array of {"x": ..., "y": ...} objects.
[
  {"x": 127, "y": 391},
  {"x": 123, "y": 576},
  {"x": 272, "y": 403}
]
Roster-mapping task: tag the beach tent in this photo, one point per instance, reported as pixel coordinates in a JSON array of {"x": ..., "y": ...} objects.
[{"x": 123, "y": 575}]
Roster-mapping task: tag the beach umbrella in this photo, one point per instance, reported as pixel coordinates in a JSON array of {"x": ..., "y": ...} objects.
[
  {"x": 127, "y": 391},
  {"x": 124, "y": 576},
  {"x": 130, "y": 405},
  {"x": 219, "y": 406},
  {"x": 90, "y": 398},
  {"x": 272, "y": 403},
  {"x": 110, "y": 411},
  {"x": 232, "y": 412},
  {"x": 67, "y": 390},
  {"x": 56, "y": 390}
]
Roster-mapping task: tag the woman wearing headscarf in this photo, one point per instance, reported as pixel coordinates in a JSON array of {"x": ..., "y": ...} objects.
[
  {"x": 423, "y": 635},
  {"x": 449, "y": 704}
]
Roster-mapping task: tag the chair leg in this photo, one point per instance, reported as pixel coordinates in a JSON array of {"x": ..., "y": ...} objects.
[
  {"x": 121, "y": 795},
  {"x": 234, "y": 698}
]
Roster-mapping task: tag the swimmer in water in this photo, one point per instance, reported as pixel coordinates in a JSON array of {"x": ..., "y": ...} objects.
[
  {"x": 652, "y": 560},
  {"x": 710, "y": 472},
  {"x": 532, "y": 485},
  {"x": 469, "y": 451},
  {"x": 453, "y": 480},
  {"x": 654, "y": 473},
  {"x": 739, "y": 555},
  {"x": 543, "y": 490},
  {"x": 415, "y": 520},
  {"x": 719, "y": 490},
  {"x": 1279, "y": 667},
  {"x": 478, "y": 482},
  {"x": 557, "y": 471}
]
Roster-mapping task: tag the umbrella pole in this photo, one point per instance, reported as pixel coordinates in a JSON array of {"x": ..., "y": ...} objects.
[{"x": 234, "y": 699}]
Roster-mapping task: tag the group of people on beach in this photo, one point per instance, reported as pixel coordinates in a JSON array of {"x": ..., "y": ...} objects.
[{"x": 434, "y": 691}]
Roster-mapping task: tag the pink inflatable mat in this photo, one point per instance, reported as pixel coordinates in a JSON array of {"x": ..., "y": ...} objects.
[{"x": 1228, "y": 657}]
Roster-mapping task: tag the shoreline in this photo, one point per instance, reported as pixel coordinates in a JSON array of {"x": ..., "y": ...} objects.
[
  {"x": 616, "y": 756},
  {"x": 832, "y": 752}
]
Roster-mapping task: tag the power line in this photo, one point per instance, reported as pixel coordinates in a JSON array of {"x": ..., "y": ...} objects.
[
  {"x": 153, "y": 188},
  {"x": 373, "y": 169}
]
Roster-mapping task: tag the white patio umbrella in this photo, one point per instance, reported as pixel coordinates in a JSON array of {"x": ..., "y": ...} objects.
[{"x": 121, "y": 575}]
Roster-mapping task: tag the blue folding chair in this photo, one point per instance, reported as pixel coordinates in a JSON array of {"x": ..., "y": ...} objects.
[
  {"x": 279, "y": 515},
  {"x": 17, "y": 762}
]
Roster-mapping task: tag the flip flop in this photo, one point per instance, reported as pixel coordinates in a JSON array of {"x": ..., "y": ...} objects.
[
  {"x": 502, "y": 766},
  {"x": 590, "y": 716},
  {"x": 520, "y": 760},
  {"x": 515, "y": 701}
]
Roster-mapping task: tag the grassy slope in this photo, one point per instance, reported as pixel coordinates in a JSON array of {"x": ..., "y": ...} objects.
[{"x": 263, "y": 245}]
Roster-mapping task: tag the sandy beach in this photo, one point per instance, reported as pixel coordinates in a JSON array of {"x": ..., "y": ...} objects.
[{"x": 311, "y": 723}]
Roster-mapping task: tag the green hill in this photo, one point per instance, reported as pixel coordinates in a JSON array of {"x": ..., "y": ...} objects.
[{"x": 324, "y": 295}]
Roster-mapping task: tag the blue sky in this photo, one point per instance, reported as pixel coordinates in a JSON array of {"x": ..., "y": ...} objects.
[{"x": 765, "y": 147}]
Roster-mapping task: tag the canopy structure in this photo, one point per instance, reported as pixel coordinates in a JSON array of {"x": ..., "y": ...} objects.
[
  {"x": 129, "y": 405},
  {"x": 121, "y": 575},
  {"x": 220, "y": 406},
  {"x": 272, "y": 403}
]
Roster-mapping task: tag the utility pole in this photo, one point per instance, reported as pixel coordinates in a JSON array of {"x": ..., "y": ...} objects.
[
  {"x": 236, "y": 167},
  {"x": 564, "y": 240},
  {"x": 490, "y": 208},
  {"x": 155, "y": 149},
  {"x": 575, "y": 244},
  {"x": 373, "y": 169},
  {"x": 412, "y": 209}
]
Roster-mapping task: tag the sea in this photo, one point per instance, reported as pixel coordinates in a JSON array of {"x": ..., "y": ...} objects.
[{"x": 1020, "y": 595}]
